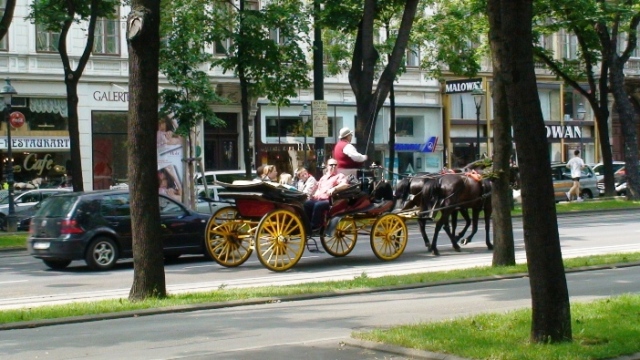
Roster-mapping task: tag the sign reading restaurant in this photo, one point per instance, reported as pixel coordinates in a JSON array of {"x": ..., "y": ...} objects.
[
  {"x": 462, "y": 86},
  {"x": 37, "y": 143}
]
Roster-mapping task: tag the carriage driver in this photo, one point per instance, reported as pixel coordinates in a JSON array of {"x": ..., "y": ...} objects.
[
  {"x": 318, "y": 203},
  {"x": 349, "y": 159}
]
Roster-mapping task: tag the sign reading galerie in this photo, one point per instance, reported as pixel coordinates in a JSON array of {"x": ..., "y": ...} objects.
[{"x": 117, "y": 96}]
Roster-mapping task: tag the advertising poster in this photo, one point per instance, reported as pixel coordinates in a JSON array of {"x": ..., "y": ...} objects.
[{"x": 170, "y": 153}]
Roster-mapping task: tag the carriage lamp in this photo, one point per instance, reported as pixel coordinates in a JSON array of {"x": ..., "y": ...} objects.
[
  {"x": 7, "y": 93},
  {"x": 580, "y": 112},
  {"x": 305, "y": 114},
  {"x": 478, "y": 95}
]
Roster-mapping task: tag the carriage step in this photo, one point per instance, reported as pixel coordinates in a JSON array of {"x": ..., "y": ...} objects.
[{"x": 312, "y": 246}]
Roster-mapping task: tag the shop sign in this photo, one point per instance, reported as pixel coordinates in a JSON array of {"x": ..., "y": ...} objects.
[
  {"x": 114, "y": 96},
  {"x": 462, "y": 86},
  {"x": 37, "y": 143},
  {"x": 320, "y": 120},
  {"x": 563, "y": 132},
  {"x": 32, "y": 163},
  {"x": 17, "y": 119}
]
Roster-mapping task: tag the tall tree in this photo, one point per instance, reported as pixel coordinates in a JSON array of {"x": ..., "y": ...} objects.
[
  {"x": 183, "y": 56},
  {"x": 58, "y": 16},
  {"x": 511, "y": 37},
  {"x": 265, "y": 48},
  {"x": 7, "y": 17},
  {"x": 597, "y": 44},
  {"x": 502, "y": 196},
  {"x": 622, "y": 17},
  {"x": 361, "y": 17},
  {"x": 143, "y": 35}
]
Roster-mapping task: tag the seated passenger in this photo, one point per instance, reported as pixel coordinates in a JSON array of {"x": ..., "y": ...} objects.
[
  {"x": 269, "y": 173},
  {"x": 318, "y": 203}
]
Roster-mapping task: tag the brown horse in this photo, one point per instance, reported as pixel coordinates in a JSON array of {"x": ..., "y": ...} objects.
[
  {"x": 408, "y": 196},
  {"x": 452, "y": 192}
]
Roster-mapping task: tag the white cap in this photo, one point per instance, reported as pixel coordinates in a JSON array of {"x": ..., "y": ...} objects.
[{"x": 344, "y": 132}]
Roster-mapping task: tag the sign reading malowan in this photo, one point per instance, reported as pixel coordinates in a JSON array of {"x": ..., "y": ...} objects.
[{"x": 462, "y": 86}]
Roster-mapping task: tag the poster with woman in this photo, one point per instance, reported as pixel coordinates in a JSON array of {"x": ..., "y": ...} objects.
[{"x": 170, "y": 153}]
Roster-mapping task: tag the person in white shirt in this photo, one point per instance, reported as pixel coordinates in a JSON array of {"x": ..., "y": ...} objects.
[
  {"x": 349, "y": 159},
  {"x": 306, "y": 182},
  {"x": 576, "y": 165}
]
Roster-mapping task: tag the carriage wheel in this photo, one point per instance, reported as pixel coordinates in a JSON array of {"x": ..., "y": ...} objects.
[
  {"x": 227, "y": 239},
  {"x": 389, "y": 237},
  {"x": 343, "y": 239},
  {"x": 280, "y": 240}
]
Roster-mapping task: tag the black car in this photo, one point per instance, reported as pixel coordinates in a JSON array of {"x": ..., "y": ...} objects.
[
  {"x": 23, "y": 217},
  {"x": 96, "y": 227}
]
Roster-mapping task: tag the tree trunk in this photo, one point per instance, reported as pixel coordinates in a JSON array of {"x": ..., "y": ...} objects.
[
  {"x": 7, "y": 17},
  {"x": 71, "y": 83},
  {"x": 148, "y": 262},
  {"x": 551, "y": 317},
  {"x": 501, "y": 193},
  {"x": 361, "y": 74},
  {"x": 628, "y": 122}
]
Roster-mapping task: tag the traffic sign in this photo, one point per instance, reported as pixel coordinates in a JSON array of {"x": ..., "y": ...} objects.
[{"x": 17, "y": 119}]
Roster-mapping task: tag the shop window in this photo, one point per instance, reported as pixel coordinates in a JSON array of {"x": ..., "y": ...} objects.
[
  {"x": 404, "y": 126},
  {"x": 3, "y": 41},
  {"x": 45, "y": 121},
  {"x": 413, "y": 56},
  {"x": 107, "y": 37},
  {"x": 109, "y": 148},
  {"x": 46, "y": 41}
]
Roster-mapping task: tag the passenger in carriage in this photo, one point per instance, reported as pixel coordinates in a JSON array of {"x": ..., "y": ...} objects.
[
  {"x": 269, "y": 173},
  {"x": 319, "y": 203},
  {"x": 348, "y": 158},
  {"x": 306, "y": 182}
]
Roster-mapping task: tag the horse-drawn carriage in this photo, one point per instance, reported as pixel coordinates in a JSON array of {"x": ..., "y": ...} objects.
[{"x": 271, "y": 219}]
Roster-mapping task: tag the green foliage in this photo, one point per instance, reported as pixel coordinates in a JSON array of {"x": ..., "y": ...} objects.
[
  {"x": 182, "y": 57},
  {"x": 54, "y": 13},
  {"x": 453, "y": 38},
  {"x": 273, "y": 69}
]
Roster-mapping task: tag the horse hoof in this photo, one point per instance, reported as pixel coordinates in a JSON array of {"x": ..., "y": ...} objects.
[
  {"x": 465, "y": 241},
  {"x": 457, "y": 248},
  {"x": 490, "y": 247},
  {"x": 435, "y": 252}
]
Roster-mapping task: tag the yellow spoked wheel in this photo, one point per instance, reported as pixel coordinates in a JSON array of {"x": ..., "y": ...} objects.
[
  {"x": 343, "y": 239},
  {"x": 227, "y": 238},
  {"x": 280, "y": 240},
  {"x": 389, "y": 237}
]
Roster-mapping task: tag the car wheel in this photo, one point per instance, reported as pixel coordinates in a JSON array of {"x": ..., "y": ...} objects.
[
  {"x": 57, "y": 264},
  {"x": 586, "y": 194},
  {"x": 3, "y": 222},
  {"x": 102, "y": 254}
]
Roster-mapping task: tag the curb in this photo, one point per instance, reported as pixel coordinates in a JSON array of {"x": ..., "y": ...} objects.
[{"x": 399, "y": 350}]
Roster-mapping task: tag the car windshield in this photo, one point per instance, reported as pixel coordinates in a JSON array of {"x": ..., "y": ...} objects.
[
  {"x": 56, "y": 206},
  {"x": 599, "y": 169}
]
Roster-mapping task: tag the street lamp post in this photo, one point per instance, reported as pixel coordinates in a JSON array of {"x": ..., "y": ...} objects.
[
  {"x": 478, "y": 95},
  {"x": 580, "y": 112},
  {"x": 7, "y": 93},
  {"x": 305, "y": 114}
]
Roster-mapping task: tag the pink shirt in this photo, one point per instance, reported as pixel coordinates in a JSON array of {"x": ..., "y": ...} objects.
[{"x": 326, "y": 183}]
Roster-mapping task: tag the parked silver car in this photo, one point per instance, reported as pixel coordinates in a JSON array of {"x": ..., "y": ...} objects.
[
  {"x": 26, "y": 200},
  {"x": 562, "y": 182}
]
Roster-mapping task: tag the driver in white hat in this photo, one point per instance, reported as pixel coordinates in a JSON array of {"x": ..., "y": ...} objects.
[{"x": 349, "y": 159}]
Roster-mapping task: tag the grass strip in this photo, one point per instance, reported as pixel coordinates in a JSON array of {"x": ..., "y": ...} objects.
[
  {"x": 601, "y": 329},
  {"x": 222, "y": 294}
]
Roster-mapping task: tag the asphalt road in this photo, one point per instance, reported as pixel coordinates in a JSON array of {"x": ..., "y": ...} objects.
[
  {"x": 26, "y": 282},
  {"x": 307, "y": 329}
]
